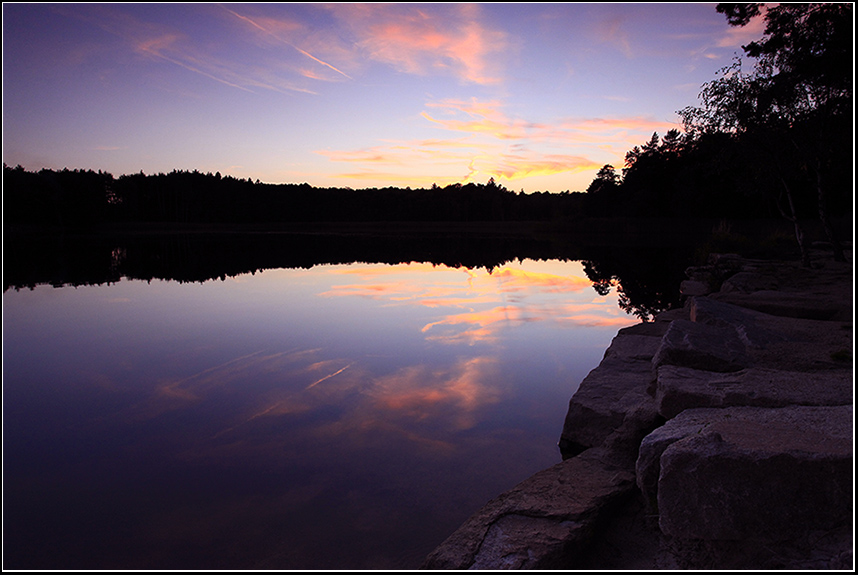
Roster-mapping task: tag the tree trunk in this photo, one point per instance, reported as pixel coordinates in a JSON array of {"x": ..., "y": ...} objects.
[
  {"x": 822, "y": 205},
  {"x": 799, "y": 230}
]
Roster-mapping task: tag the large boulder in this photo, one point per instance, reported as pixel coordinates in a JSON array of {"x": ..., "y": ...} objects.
[
  {"x": 614, "y": 396},
  {"x": 545, "y": 522},
  {"x": 680, "y": 388},
  {"x": 616, "y": 388},
  {"x": 748, "y": 473}
]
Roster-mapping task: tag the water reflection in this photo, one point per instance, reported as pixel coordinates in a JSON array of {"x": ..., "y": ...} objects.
[
  {"x": 646, "y": 269},
  {"x": 342, "y": 416}
]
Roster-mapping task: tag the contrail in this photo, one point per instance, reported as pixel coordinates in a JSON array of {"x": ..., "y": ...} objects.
[
  {"x": 248, "y": 420},
  {"x": 277, "y": 404},
  {"x": 217, "y": 367},
  {"x": 304, "y": 52},
  {"x": 315, "y": 383}
]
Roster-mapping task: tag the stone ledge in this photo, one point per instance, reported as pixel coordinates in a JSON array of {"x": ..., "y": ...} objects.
[
  {"x": 681, "y": 388},
  {"x": 748, "y": 473},
  {"x": 541, "y": 522},
  {"x": 701, "y": 346}
]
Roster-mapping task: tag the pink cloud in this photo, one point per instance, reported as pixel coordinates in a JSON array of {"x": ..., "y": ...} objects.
[
  {"x": 427, "y": 40},
  {"x": 736, "y": 36}
]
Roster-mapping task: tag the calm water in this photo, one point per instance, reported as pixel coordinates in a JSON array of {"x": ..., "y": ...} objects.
[{"x": 342, "y": 416}]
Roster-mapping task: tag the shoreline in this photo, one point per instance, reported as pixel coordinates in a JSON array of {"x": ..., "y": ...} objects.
[{"x": 719, "y": 436}]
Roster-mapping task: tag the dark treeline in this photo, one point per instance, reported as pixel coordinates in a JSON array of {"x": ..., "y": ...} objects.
[{"x": 81, "y": 198}]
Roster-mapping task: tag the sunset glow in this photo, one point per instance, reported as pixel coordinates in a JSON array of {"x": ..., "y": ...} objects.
[{"x": 536, "y": 96}]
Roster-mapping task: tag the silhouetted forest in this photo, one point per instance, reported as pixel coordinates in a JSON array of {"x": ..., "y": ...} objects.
[
  {"x": 83, "y": 198},
  {"x": 775, "y": 141}
]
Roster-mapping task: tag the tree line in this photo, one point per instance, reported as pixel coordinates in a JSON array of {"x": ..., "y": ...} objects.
[
  {"x": 84, "y": 197},
  {"x": 772, "y": 141}
]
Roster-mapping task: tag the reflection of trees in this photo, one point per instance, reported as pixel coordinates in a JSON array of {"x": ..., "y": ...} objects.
[
  {"x": 647, "y": 281},
  {"x": 96, "y": 259}
]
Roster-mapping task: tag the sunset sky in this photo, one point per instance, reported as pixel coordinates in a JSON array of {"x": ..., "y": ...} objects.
[{"x": 538, "y": 96}]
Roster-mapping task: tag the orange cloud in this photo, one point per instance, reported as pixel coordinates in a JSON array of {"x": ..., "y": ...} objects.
[
  {"x": 517, "y": 278},
  {"x": 498, "y": 146},
  {"x": 375, "y": 291},
  {"x": 510, "y": 168},
  {"x": 487, "y": 324},
  {"x": 375, "y": 155}
]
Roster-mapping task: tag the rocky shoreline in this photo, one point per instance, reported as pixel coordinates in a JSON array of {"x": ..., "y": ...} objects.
[{"x": 719, "y": 436}]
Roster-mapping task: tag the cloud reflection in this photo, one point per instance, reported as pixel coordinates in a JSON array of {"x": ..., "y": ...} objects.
[
  {"x": 289, "y": 400},
  {"x": 456, "y": 393},
  {"x": 507, "y": 296},
  {"x": 416, "y": 403}
]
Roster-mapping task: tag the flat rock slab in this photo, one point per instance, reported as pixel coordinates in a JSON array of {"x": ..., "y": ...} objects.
[
  {"x": 750, "y": 473},
  {"x": 701, "y": 346},
  {"x": 749, "y": 282},
  {"x": 545, "y": 522},
  {"x": 803, "y": 306},
  {"x": 748, "y": 325},
  {"x": 681, "y": 388}
]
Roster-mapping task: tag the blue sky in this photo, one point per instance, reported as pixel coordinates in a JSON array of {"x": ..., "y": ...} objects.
[{"x": 537, "y": 96}]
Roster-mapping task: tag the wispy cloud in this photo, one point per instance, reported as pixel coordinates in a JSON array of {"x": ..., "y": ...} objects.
[
  {"x": 245, "y": 70},
  {"x": 612, "y": 31},
  {"x": 278, "y": 29},
  {"x": 450, "y": 39},
  {"x": 167, "y": 47}
]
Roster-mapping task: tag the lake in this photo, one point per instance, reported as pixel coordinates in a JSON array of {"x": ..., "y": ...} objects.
[{"x": 333, "y": 416}]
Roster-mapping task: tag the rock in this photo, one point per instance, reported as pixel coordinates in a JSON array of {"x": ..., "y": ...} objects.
[
  {"x": 727, "y": 261},
  {"x": 748, "y": 473},
  {"x": 633, "y": 347},
  {"x": 694, "y": 288},
  {"x": 782, "y": 304},
  {"x": 701, "y": 346},
  {"x": 614, "y": 392},
  {"x": 744, "y": 322},
  {"x": 749, "y": 282},
  {"x": 544, "y": 522},
  {"x": 681, "y": 388},
  {"x": 665, "y": 317},
  {"x": 753, "y": 467}
]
